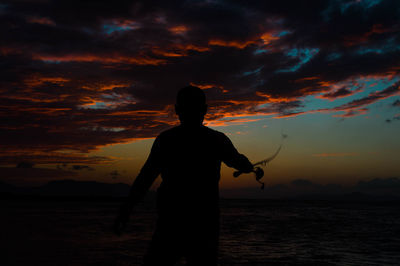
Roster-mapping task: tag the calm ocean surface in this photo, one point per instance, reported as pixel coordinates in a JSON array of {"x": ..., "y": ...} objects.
[{"x": 254, "y": 232}]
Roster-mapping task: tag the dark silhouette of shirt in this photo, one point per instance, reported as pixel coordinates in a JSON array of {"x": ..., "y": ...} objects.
[{"x": 189, "y": 161}]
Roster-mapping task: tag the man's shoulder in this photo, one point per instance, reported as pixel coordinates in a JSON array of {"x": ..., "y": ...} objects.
[{"x": 169, "y": 132}]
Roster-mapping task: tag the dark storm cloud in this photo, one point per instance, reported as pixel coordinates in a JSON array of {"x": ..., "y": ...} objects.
[
  {"x": 342, "y": 92},
  {"x": 78, "y": 75}
]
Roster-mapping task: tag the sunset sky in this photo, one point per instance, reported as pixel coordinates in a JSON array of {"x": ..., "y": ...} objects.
[{"x": 85, "y": 87}]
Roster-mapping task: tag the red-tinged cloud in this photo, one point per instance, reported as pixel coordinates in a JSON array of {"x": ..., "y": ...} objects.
[
  {"x": 340, "y": 93},
  {"x": 50, "y": 157},
  {"x": 263, "y": 40},
  {"x": 231, "y": 121},
  {"x": 77, "y": 76},
  {"x": 104, "y": 59},
  {"x": 358, "y": 39},
  {"x": 180, "y": 29},
  {"x": 178, "y": 50},
  {"x": 352, "y": 112},
  {"x": 41, "y": 20},
  {"x": 235, "y": 44}
]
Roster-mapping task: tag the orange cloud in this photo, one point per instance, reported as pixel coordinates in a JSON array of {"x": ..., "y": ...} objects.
[
  {"x": 111, "y": 59},
  {"x": 51, "y": 157},
  {"x": 34, "y": 81},
  {"x": 7, "y": 50},
  {"x": 263, "y": 39},
  {"x": 181, "y": 29},
  {"x": 229, "y": 121},
  {"x": 193, "y": 47},
  {"x": 41, "y": 20},
  {"x": 178, "y": 50},
  {"x": 168, "y": 53},
  {"x": 236, "y": 44},
  {"x": 305, "y": 79},
  {"x": 105, "y": 87},
  {"x": 267, "y": 38},
  {"x": 353, "y": 112},
  {"x": 358, "y": 39},
  {"x": 293, "y": 114},
  {"x": 272, "y": 99},
  {"x": 127, "y": 23},
  {"x": 209, "y": 86}
]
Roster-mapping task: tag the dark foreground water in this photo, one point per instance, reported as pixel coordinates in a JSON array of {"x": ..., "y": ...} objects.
[{"x": 254, "y": 232}]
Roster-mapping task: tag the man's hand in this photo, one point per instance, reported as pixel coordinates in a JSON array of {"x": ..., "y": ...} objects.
[
  {"x": 122, "y": 218},
  {"x": 259, "y": 173},
  {"x": 257, "y": 170}
]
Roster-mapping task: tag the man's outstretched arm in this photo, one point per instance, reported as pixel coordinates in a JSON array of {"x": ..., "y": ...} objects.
[
  {"x": 232, "y": 158},
  {"x": 140, "y": 186}
]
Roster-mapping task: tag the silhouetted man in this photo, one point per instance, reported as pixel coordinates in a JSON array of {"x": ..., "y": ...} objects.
[{"x": 188, "y": 157}]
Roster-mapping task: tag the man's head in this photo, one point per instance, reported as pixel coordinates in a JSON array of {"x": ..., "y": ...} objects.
[{"x": 191, "y": 106}]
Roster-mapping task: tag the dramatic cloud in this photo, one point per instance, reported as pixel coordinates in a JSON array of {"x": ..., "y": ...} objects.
[
  {"x": 76, "y": 76},
  {"x": 340, "y": 93}
]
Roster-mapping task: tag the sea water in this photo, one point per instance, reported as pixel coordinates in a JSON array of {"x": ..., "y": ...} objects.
[{"x": 253, "y": 232}]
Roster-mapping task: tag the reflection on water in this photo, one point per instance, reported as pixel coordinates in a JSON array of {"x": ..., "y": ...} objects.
[{"x": 254, "y": 232}]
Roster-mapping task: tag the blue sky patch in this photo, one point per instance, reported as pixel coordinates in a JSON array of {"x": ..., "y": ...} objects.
[{"x": 304, "y": 56}]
